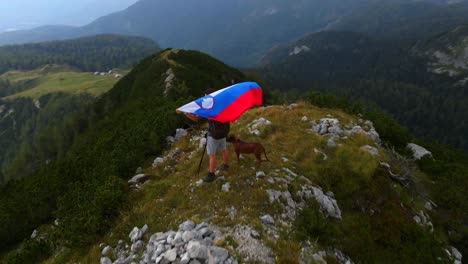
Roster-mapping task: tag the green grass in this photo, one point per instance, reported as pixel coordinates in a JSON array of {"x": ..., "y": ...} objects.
[
  {"x": 66, "y": 81},
  {"x": 172, "y": 197}
]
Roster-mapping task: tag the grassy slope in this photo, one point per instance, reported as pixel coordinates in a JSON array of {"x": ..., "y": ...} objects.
[
  {"x": 172, "y": 197},
  {"x": 66, "y": 81}
]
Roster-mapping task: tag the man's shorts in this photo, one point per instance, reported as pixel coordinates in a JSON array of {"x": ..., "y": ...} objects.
[{"x": 213, "y": 144}]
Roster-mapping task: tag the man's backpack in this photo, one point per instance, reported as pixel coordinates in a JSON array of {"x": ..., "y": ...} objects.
[{"x": 218, "y": 130}]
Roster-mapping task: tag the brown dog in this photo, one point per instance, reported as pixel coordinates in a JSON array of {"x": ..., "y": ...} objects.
[{"x": 247, "y": 148}]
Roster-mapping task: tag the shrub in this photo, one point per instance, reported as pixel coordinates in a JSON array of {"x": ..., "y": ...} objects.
[
  {"x": 389, "y": 130},
  {"x": 32, "y": 251}
]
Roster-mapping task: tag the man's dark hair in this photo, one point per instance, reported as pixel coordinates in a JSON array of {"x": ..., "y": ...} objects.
[{"x": 209, "y": 90}]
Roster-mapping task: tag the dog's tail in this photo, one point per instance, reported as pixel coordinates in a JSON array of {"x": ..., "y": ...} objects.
[{"x": 264, "y": 152}]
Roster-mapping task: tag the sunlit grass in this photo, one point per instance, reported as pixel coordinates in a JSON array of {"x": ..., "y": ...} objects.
[
  {"x": 171, "y": 196},
  {"x": 66, "y": 81}
]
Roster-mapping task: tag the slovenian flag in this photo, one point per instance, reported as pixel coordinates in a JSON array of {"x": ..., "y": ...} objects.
[{"x": 228, "y": 104}]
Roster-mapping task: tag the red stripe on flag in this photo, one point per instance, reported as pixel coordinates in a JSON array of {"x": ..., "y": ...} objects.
[{"x": 243, "y": 103}]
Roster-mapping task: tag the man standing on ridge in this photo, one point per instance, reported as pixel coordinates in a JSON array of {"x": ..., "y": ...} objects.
[{"x": 217, "y": 133}]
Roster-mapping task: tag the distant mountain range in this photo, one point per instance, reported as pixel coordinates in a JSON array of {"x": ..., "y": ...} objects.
[
  {"x": 240, "y": 32},
  {"x": 423, "y": 84}
]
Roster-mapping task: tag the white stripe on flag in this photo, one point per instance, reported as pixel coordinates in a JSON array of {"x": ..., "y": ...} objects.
[{"x": 189, "y": 108}]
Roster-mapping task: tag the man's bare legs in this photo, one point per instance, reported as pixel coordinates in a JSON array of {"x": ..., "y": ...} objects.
[{"x": 212, "y": 163}]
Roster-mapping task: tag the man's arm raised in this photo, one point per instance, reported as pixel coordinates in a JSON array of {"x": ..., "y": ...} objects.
[{"x": 191, "y": 116}]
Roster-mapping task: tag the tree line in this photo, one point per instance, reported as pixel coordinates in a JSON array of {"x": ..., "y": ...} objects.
[{"x": 96, "y": 53}]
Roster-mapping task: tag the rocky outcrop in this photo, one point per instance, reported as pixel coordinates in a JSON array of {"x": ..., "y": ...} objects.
[
  {"x": 250, "y": 246},
  {"x": 168, "y": 82},
  {"x": 256, "y": 124},
  {"x": 423, "y": 219},
  {"x": 332, "y": 127},
  {"x": 454, "y": 254},
  {"x": 310, "y": 255},
  {"x": 192, "y": 243},
  {"x": 328, "y": 204},
  {"x": 297, "y": 50},
  {"x": 180, "y": 133},
  {"x": 418, "y": 151},
  {"x": 371, "y": 150}
]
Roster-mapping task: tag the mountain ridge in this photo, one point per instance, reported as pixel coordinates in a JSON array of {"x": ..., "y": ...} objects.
[
  {"x": 386, "y": 75},
  {"x": 255, "y": 211},
  {"x": 88, "y": 193}
]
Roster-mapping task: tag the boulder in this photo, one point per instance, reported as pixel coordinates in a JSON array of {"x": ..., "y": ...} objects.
[
  {"x": 373, "y": 151},
  {"x": 106, "y": 250},
  {"x": 328, "y": 205},
  {"x": 157, "y": 161},
  {"x": 170, "y": 255},
  {"x": 226, "y": 187},
  {"x": 260, "y": 174},
  {"x": 136, "y": 234},
  {"x": 197, "y": 251},
  {"x": 219, "y": 254},
  {"x": 136, "y": 178},
  {"x": 267, "y": 219},
  {"x": 106, "y": 260},
  {"x": 180, "y": 133},
  {"x": 187, "y": 236},
  {"x": 34, "y": 234},
  {"x": 187, "y": 226},
  {"x": 418, "y": 151}
]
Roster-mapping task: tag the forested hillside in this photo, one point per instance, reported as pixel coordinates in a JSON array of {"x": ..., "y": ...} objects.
[
  {"x": 35, "y": 132},
  {"x": 128, "y": 125},
  {"x": 384, "y": 74},
  {"x": 402, "y": 19},
  {"x": 36, "y": 108},
  {"x": 95, "y": 53}
]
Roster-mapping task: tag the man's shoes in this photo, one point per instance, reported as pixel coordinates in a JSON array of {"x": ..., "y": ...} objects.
[
  {"x": 224, "y": 167},
  {"x": 210, "y": 177}
]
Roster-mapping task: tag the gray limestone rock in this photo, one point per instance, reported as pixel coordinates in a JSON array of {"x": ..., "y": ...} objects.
[
  {"x": 157, "y": 161},
  {"x": 260, "y": 174},
  {"x": 219, "y": 254},
  {"x": 254, "y": 234},
  {"x": 180, "y": 133},
  {"x": 137, "y": 246},
  {"x": 136, "y": 178},
  {"x": 106, "y": 250},
  {"x": 226, "y": 187},
  {"x": 187, "y": 226},
  {"x": 135, "y": 235},
  {"x": 106, "y": 260},
  {"x": 196, "y": 250},
  {"x": 327, "y": 204},
  {"x": 144, "y": 229},
  {"x": 34, "y": 234},
  {"x": 267, "y": 219},
  {"x": 187, "y": 236},
  {"x": 170, "y": 255},
  {"x": 158, "y": 237},
  {"x": 418, "y": 151},
  {"x": 373, "y": 151},
  {"x": 185, "y": 258},
  {"x": 356, "y": 130}
]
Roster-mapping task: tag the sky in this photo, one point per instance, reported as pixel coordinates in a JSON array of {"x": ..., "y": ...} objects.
[{"x": 23, "y": 14}]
